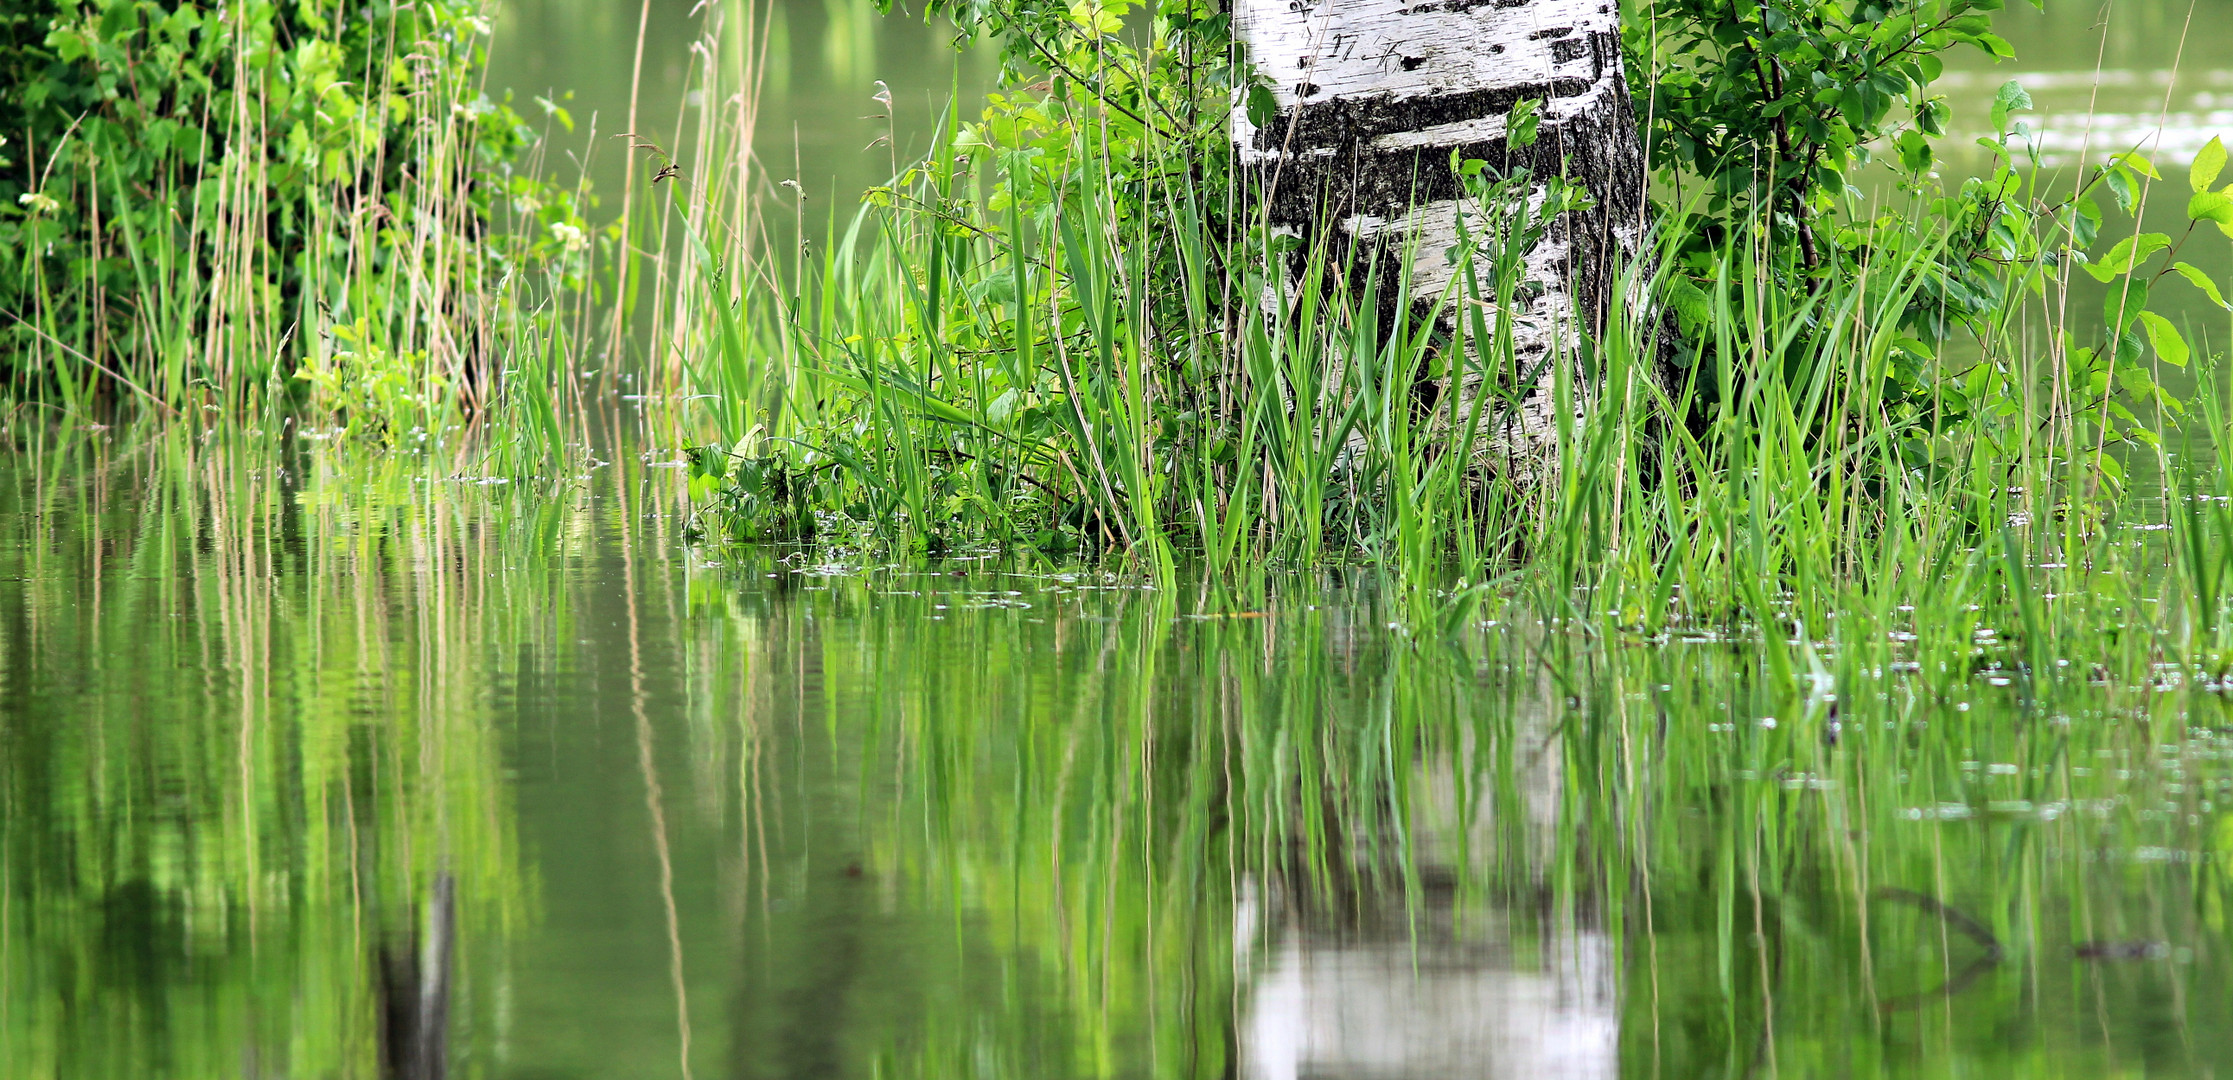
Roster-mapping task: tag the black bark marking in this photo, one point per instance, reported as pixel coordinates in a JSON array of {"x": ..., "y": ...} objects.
[
  {"x": 1412, "y": 63},
  {"x": 1597, "y": 148},
  {"x": 1362, "y": 118},
  {"x": 1460, "y": 7},
  {"x": 1568, "y": 50}
]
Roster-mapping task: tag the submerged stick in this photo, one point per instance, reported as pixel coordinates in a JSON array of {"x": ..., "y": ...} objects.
[{"x": 1958, "y": 920}]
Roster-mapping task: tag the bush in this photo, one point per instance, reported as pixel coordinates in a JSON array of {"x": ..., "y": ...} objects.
[{"x": 192, "y": 196}]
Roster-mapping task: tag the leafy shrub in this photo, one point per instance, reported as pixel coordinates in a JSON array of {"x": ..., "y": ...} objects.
[
  {"x": 1766, "y": 121},
  {"x": 194, "y": 194}
]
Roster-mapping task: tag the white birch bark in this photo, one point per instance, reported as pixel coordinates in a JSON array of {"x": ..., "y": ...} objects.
[{"x": 1373, "y": 95}]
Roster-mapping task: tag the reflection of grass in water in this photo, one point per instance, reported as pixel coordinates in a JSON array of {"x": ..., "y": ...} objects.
[
  {"x": 247, "y": 727},
  {"x": 849, "y": 41},
  {"x": 967, "y": 839},
  {"x": 1083, "y": 797}
]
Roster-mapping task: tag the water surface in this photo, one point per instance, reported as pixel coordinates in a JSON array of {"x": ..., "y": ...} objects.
[{"x": 290, "y": 736}]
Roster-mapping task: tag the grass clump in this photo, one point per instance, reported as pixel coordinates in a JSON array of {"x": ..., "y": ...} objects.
[{"x": 1061, "y": 330}]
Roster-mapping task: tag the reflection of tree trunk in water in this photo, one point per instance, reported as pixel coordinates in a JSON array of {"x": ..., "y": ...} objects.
[
  {"x": 1418, "y": 992},
  {"x": 797, "y": 1030},
  {"x": 1321, "y": 882},
  {"x": 1373, "y": 980},
  {"x": 415, "y": 976}
]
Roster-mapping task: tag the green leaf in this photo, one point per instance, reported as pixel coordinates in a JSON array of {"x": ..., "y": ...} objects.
[
  {"x": 2137, "y": 164},
  {"x": 1692, "y": 307},
  {"x": 997, "y": 288},
  {"x": 2207, "y": 164},
  {"x": 2195, "y": 277},
  {"x": 68, "y": 44},
  {"x": 2128, "y": 342},
  {"x": 2087, "y": 223},
  {"x": 1932, "y": 116},
  {"x": 1094, "y": 19},
  {"x": 2010, "y": 98},
  {"x": 2128, "y": 252},
  {"x": 2165, "y": 338},
  {"x": 2124, "y": 303},
  {"x": 707, "y": 461},
  {"x": 2122, "y": 186},
  {"x": 2208, "y": 205},
  {"x": 1521, "y": 122},
  {"x": 1262, "y": 107},
  {"x": 1915, "y": 152}
]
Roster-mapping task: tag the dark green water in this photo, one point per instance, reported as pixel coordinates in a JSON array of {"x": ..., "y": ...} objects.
[{"x": 756, "y": 814}]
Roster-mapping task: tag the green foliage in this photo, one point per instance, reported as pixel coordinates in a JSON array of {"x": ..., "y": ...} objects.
[
  {"x": 1765, "y": 118},
  {"x": 195, "y": 195},
  {"x": 361, "y": 378},
  {"x": 2013, "y": 235},
  {"x": 1776, "y": 105},
  {"x": 1150, "y": 102}
]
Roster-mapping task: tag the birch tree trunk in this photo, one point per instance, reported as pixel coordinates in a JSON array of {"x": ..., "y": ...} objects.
[{"x": 1373, "y": 95}]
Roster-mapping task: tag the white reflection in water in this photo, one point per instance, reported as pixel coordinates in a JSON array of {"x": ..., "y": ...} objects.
[
  {"x": 2061, "y": 137},
  {"x": 2098, "y": 113},
  {"x": 1436, "y": 995},
  {"x": 1380, "y": 1011}
]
